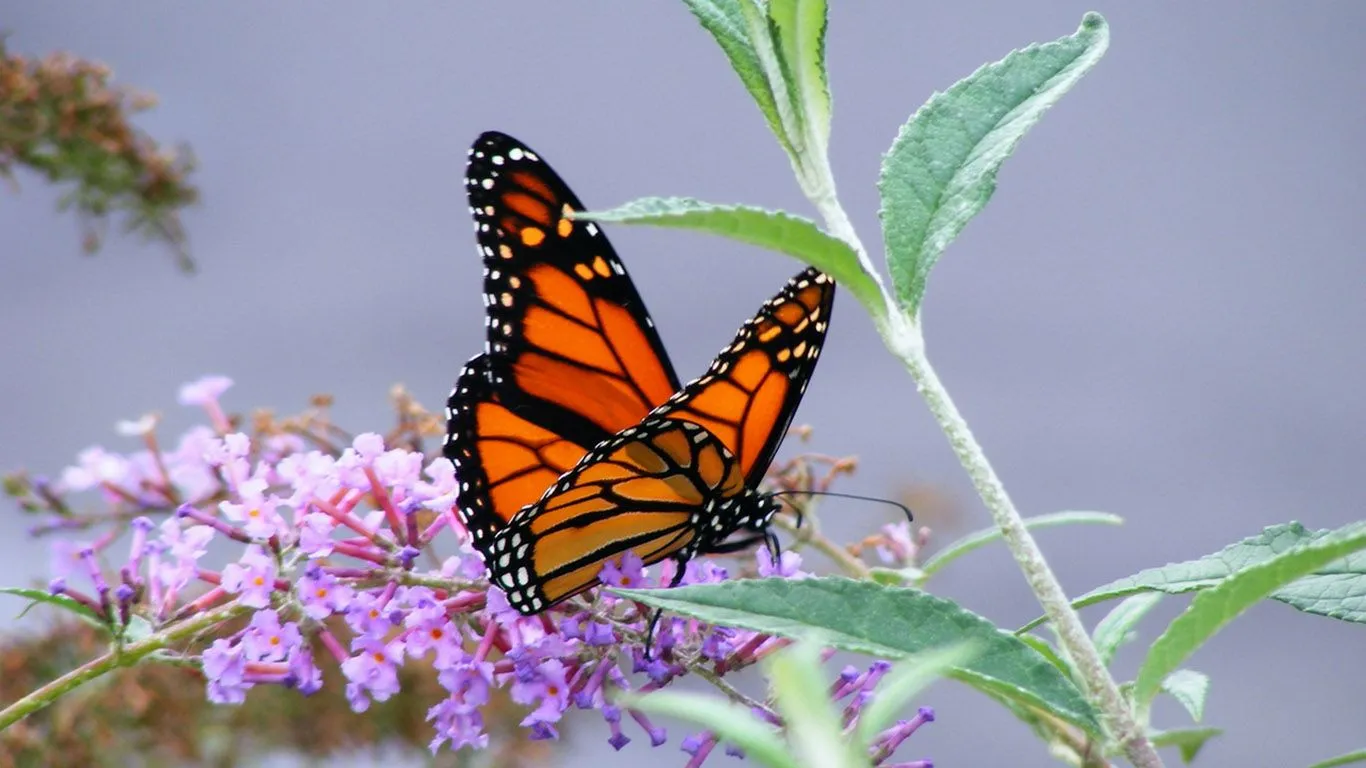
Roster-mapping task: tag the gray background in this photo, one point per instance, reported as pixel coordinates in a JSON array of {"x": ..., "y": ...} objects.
[{"x": 1158, "y": 315}]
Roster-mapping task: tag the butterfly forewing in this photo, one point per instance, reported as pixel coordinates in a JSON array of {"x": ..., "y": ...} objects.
[
  {"x": 572, "y": 356},
  {"x": 750, "y": 393},
  {"x": 562, "y": 311}
]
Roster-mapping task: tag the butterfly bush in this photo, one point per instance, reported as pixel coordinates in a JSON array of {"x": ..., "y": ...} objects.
[{"x": 354, "y": 556}]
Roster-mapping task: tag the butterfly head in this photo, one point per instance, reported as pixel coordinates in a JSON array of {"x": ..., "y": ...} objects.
[
  {"x": 749, "y": 513},
  {"x": 756, "y": 511}
]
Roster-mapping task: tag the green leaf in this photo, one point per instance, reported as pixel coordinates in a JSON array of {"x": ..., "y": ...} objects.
[
  {"x": 763, "y": 35},
  {"x": 941, "y": 169},
  {"x": 36, "y": 596},
  {"x": 1358, "y": 756},
  {"x": 802, "y": 698},
  {"x": 1051, "y": 653},
  {"x": 870, "y": 618},
  {"x": 1116, "y": 628},
  {"x": 801, "y": 26},
  {"x": 894, "y": 577},
  {"x": 1190, "y": 689},
  {"x": 1212, "y": 609},
  {"x": 1187, "y": 740},
  {"x": 905, "y": 681},
  {"x": 725, "y": 20},
  {"x": 979, "y": 539},
  {"x": 775, "y": 230},
  {"x": 1337, "y": 590},
  {"x": 137, "y": 629},
  {"x": 731, "y": 722}
]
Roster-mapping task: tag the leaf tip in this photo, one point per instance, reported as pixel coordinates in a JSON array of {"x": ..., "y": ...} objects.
[{"x": 1096, "y": 29}]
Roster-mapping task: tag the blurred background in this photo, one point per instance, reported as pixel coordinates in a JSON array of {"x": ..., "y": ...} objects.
[{"x": 1159, "y": 314}]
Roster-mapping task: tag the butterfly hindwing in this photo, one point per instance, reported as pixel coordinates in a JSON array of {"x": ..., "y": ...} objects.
[
  {"x": 503, "y": 461},
  {"x": 665, "y": 488}
]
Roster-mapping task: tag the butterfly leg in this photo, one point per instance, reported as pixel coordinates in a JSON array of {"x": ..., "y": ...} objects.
[
  {"x": 771, "y": 540},
  {"x": 650, "y": 632},
  {"x": 737, "y": 545},
  {"x": 680, "y": 568}
]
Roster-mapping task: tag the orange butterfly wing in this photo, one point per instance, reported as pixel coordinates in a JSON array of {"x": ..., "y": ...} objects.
[
  {"x": 683, "y": 480},
  {"x": 571, "y": 356},
  {"x": 658, "y": 490},
  {"x": 751, "y": 392}
]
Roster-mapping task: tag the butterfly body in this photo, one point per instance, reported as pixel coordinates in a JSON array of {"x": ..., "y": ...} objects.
[{"x": 572, "y": 441}]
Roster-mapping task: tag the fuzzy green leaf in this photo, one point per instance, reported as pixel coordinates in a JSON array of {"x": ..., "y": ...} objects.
[
  {"x": 1337, "y": 590},
  {"x": 979, "y": 539},
  {"x": 865, "y": 617},
  {"x": 801, "y": 28},
  {"x": 1188, "y": 740},
  {"x": 1116, "y": 628},
  {"x": 1359, "y": 756},
  {"x": 1189, "y": 688},
  {"x": 136, "y": 630},
  {"x": 725, "y": 20},
  {"x": 802, "y": 698},
  {"x": 1048, "y": 651},
  {"x": 1214, "y": 608},
  {"x": 731, "y": 722},
  {"x": 941, "y": 169},
  {"x": 775, "y": 230},
  {"x": 37, "y": 596}
]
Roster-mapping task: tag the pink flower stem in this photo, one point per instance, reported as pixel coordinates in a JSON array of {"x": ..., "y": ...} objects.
[
  {"x": 442, "y": 521},
  {"x": 777, "y": 644},
  {"x": 86, "y": 600},
  {"x": 166, "y": 488},
  {"x": 361, "y": 552},
  {"x": 486, "y": 642},
  {"x": 220, "y": 422},
  {"x": 343, "y": 515},
  {"x": 742, "y": 656},
  {"x": 465, "y": 602},
  {"x": 200, "y": 603},
  {"x": 386, "y": 503},
  {"x": 333, "y": 645},
  {"x": 232, "y": 532}
]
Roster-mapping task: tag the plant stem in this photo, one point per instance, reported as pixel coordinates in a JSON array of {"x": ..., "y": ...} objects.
[
  {"x": 809, "y": 535},
  {"x": 1102, "y": 687},
  {"x": 120, "y": 657},
  {"x": 902, "y": 336}
]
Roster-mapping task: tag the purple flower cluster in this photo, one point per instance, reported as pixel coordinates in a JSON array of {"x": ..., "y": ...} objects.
[{"x": 359, "y": 552}]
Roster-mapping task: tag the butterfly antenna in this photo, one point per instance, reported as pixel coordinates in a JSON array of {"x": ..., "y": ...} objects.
[{"x": 897, "y": 504}]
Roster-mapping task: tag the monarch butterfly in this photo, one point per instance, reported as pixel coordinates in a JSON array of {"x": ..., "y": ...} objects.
[{"x": 571, "y": 439}]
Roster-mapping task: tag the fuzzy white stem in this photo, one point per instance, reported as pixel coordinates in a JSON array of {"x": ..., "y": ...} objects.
[{"x": 902, "y": 336}]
